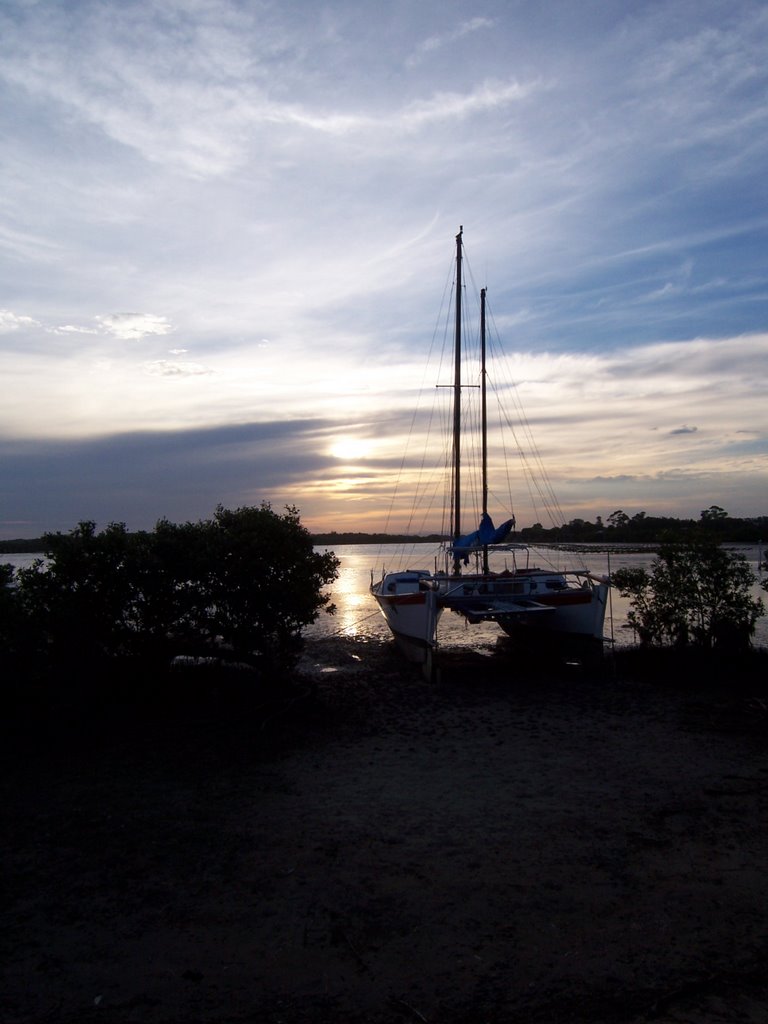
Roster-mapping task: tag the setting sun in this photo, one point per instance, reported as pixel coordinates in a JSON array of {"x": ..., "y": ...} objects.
[{"x": 351, "y": 448}]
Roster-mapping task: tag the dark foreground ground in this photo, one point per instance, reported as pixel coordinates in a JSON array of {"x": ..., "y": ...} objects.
[{"x": 494, "y": 847}]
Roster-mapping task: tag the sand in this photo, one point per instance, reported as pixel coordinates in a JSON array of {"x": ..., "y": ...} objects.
[{"x": 493, "y": 847}]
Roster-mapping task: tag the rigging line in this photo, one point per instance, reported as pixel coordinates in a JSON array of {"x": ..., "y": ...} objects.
[
  {"x": 344, "y": 630},
  {"x": 432, "y": 471},
  {"x": 447, "y": 286},
  {"x": 499, "y": 421},
  {"x": 543, "y": 483},
  {"x": 472, "y": 415},
  {"x": 507, "y": 502},
  {"x": 529, "y": 476},
  {"x": 422, "y": 478},
  {"x": 538, "y": 460}
]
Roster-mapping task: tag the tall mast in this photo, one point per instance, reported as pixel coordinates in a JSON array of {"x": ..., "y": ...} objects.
[
  {"x": 484, "y": 415},
  {"x": 457, "y": 403}
]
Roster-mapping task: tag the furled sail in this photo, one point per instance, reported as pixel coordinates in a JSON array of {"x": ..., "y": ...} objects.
[{"x": 485, "y": 535}]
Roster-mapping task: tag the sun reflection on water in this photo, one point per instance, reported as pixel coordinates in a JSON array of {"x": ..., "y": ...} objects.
[{"x": 358, "y": 616}]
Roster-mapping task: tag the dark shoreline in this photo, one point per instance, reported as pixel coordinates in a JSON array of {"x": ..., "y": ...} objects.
[
  {"x": 746, "y": 534},
  {"x": 236, "y": 692}
]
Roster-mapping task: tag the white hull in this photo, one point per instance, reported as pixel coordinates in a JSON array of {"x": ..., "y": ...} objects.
[
  {"x": 523, "y": 603},
  {"x": 584, "y": 617},
  {"x": 408, "y": 602}
]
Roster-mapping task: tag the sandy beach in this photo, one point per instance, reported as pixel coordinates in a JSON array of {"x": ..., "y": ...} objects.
[{"x": 493, "y": 847}]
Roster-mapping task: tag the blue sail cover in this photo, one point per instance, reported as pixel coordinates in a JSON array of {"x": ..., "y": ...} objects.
[{"x": 485, "y": 534}]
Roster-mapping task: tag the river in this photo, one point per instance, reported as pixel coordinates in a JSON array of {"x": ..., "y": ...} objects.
[{"x": 357, "y": 614}]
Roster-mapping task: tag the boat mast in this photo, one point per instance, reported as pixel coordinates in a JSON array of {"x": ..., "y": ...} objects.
[
  {"x": 484, "y": 415},
  {"x": 457, "y": 406}
]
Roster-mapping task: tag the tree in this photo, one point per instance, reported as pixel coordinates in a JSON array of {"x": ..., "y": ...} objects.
[
  {"x": 262, "y": 580},
  {"x": 78, "y": 599},
  {"x": 696, "y": 593},
  {"x": 618, "y": 519},
  {"x": 6, "y": 594},
  {"x": 10, "y": 616},
  {"x": 713, "y": 514}
]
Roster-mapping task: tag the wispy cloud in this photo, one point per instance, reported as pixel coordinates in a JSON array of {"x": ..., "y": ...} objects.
[
  {"x": 10, "y": 321},
  {"x": 134, "y": 326},
  {"x": 175, "y": 369},
  {"x": 612, "y": 420},
  {"x": 440, "y": 107},
  {"x": 228, "y": 173},
  {"x": 72, "y": 329},
  {"x": 173, "y": 101},
  {"x": 444, "y": 106},
  {"x": 438, "y": 42}
]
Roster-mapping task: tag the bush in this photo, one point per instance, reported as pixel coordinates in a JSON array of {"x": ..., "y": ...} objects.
[
  {"x": 241, "y": 585},
  {"x": 696, "y": 593},
  {"x": 255, "y": 580}
]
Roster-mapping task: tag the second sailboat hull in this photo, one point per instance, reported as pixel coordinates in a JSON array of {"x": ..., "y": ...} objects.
[{"x": 528, "y": 602}]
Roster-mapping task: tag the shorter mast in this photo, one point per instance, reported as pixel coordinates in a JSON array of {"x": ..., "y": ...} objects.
[{"x": 484, "y": 415}]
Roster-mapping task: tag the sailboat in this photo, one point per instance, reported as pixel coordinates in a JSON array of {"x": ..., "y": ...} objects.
[{"x": 550, "y": 607}]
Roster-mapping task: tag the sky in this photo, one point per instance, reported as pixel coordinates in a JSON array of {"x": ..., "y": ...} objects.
[{"x": 225, "y": 229}]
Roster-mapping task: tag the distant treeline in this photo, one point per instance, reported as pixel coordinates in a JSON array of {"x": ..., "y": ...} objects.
[
  {"x": 334, "y": 538},
  {"x": 618, "y": 528},
  {"x": 23, "y": 546}
]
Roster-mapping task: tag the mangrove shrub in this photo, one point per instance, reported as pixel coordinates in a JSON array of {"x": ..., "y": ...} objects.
[
  {"x": 696, "y": 593},
  {"x": 241, "y": 585}
]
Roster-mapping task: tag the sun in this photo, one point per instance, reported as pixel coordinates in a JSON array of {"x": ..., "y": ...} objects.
[{"x": 351, "y": 448}]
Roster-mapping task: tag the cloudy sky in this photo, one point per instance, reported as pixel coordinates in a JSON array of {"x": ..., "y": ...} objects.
[{"x": 225, "y": 229}]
